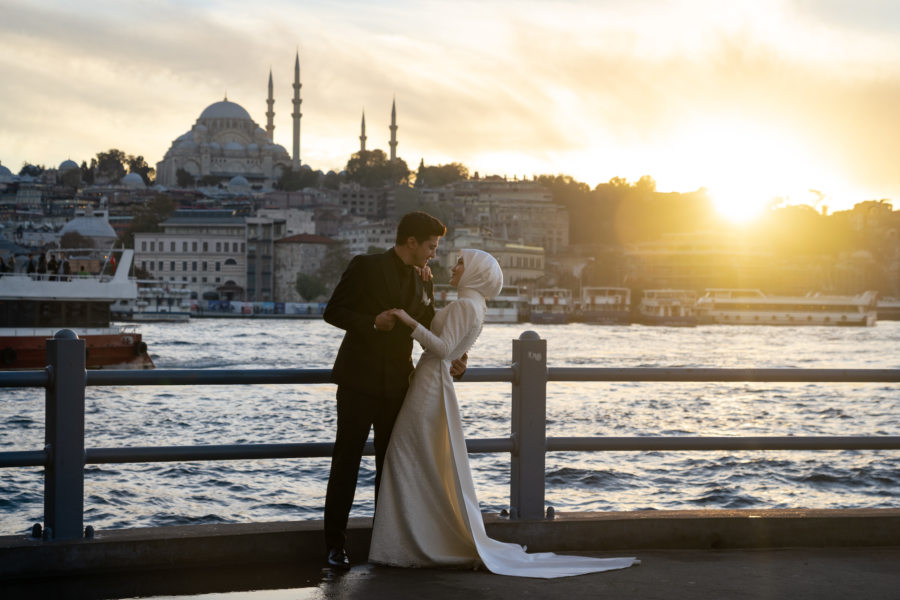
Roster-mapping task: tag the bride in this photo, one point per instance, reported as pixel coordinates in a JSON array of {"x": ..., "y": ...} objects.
[{"x": 427, "y": 513}]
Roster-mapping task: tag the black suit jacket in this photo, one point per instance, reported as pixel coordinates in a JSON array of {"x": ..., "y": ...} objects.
[{"x": 376, "y": 363}]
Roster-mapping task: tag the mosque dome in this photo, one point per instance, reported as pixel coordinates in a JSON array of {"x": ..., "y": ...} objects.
[
  {"x": 92, "y": 227},
  {"x": 4, "y": 172},
  {"x": 225, "y": 110},
  {"x": 238, "y": 182},
  {"x": 67, "y": 165},
  {"x": 133, "y": 181}
]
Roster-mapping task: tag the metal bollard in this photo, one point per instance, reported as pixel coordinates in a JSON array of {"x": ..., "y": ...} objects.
[
  {"x": 529, "y": 415},
  {"x": 64, "y": 437}
]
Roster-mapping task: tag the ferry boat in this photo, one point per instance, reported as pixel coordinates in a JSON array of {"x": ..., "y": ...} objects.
[
  {"x": 668, "y": 307},
  {"x": 550, "y": 306},
  {"x": 753, "y": 307},
  {"x": 888, "y": 309},
  {"x": 156, "y": 301},
  {"x": 605, "y": 305},
  {"x": 507, "y": 307},
  {"x": 34, "y": 307}
]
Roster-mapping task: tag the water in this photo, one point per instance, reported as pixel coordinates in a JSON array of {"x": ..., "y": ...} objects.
[{"x": 156, "y": 494}]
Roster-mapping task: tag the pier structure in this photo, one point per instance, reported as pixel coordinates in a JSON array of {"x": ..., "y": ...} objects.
[{"x": 63, "y": 547}]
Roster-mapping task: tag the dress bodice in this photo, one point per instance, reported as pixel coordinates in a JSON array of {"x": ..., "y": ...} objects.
[{"x": 453, "y": 330}]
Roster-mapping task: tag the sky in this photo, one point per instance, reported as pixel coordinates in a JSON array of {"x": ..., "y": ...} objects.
[{"x": 763, "y": 101}]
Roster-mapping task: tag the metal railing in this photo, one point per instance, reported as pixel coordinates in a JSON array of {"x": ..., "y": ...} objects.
[{"x": 65, "y": 380}]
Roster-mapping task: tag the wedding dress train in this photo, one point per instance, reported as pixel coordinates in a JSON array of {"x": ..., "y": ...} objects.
[{"x": 427, "y": 512}]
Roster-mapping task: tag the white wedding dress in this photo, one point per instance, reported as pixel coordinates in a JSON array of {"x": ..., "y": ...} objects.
[{"x": 427, "y": 512}]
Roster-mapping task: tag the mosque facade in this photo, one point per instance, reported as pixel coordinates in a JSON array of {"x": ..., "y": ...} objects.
[{"x": 227, "y": 144}]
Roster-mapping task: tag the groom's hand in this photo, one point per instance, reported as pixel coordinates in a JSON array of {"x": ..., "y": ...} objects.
[
  {"x": 458, "y": 366},
  {"x": 384, "y": 321},
  {"x": 424, "y": 273}
]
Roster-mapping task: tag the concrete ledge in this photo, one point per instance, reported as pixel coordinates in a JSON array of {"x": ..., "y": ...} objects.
[{"x": 198, "y": 546}]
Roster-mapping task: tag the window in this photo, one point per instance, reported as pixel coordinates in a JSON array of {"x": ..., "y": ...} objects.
[
  {"x": 172, "y": 265},
  {"x": 234, "y": 247},
  {"x": 144, "y": 265},
  {"x": 184, "y": 265},
  {"x": 152, "y": 246},
  {"x": 203, "y": 279},
  {"x": 218, "y": 266},
  {"x": 160, "y": 265},
  {"x": 203, "y": 265},
  {"x": 143, "y": 245},
  {"x": 194, "y": 267},
  {"x": 218, "y": 246},
  {"x": 193, "y": 246},
  {"x": 230, "y": 262},
  {"x": 184, "y": 247},
  {"x": 205, "y": 246},
  {"x": 172, "y": 249}
]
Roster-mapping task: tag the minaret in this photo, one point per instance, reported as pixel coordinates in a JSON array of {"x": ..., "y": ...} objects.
[
  {"x": 295, "y": 164},
  {"x": 394, "y": 131},
  {"x": 270, "y": 114},
  {"x": 362, "y": 137}
]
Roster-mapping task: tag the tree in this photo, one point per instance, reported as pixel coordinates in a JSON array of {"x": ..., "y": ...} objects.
[
  {"x": 333, "y": 264},
  {"x": 87, "y": 172},
  {"x": 31, "y": 170},
  {"x": 110, "y": 166},
  {"x": 73, "y": 239},
  {"x": 309, "y": 287},
  {"x": 137, "y": 164},
  {"x": 440, "y": 175},
  {"x": 372, "y": 168},
  {"x": 291, "y": 180},
  {"x": 184, "y": 179},
  {"x": 148, "y": 218},
  {"x": 71, "y": 178}
]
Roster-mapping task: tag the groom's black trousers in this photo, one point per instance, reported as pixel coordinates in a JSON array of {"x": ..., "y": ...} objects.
[{"x": 357, "y": 413}]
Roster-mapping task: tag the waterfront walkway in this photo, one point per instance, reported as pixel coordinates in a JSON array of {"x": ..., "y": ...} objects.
[{"x": 781, "y": 574}]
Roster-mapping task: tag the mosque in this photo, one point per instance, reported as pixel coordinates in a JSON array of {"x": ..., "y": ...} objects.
[{"x": 226, "y": 143}]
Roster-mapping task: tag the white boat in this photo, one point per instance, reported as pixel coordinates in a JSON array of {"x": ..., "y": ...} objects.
[
  {"x": 605, "y": 305},
  {"x": 753, "y": 307},
  {"x": 550, "y": 305},
  {"x": 508, "y": 307},
  {"x": 156, "y": 301},
  {"x": 34, "y": 307},
  {"x": 888, "y": 309},
  {"x": 668, "y": 307}
]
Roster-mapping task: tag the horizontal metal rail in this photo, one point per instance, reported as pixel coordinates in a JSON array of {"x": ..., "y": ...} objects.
[
  {"x": 65, "y": 381},
  {"x": 724, "y": 375}
]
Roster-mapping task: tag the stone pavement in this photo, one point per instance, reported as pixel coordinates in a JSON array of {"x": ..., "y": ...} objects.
[{"x": 772, "y": 574}]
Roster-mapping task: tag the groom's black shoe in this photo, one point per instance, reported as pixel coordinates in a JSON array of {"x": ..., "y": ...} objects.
[{"x": 337, "y": 558}]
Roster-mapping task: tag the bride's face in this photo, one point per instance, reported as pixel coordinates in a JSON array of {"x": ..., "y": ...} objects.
[{"x": 456, "y": 272}]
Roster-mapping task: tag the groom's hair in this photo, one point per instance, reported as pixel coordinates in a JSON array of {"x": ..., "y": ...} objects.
[{"x": 419, "y": 225}]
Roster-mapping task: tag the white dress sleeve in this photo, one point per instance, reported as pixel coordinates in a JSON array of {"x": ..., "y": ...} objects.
[{"x": 462, "y": 318}]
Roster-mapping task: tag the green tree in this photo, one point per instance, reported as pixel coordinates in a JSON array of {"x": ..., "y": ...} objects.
[
  {"x": 73, "y": 239},
  {"x": 309, "y": 287},
  {"x": 110, "y": 166},
  {"x": 184, "y": 179},
  {"x": 336, "y": 258},
  {"x": 31, "y": 170},
  {"x": 440, "y": 175},
  {"x": 148, "y": 218},
  {"x": 87, "y": 172},
  {"x": 291, "y": 180},
  {"x": 372, "y": 168},
  {"x": 332, "y": 180},
  {"x": 137, "y": 164}
]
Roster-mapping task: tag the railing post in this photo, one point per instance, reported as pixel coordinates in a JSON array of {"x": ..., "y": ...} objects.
[
  {"x": 64, "y": 437},
  {"x": 529, "y": 412}
]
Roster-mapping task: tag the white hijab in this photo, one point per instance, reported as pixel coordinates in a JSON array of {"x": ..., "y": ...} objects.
[{"x": 482, "y": 275}]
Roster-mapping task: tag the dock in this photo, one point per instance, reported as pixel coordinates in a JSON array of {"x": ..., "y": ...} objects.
[{"x": 771, "y": 554}]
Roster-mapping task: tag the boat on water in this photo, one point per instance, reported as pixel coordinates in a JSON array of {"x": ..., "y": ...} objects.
[
  {"x": 753, "y": 307},
  {"x": 34, "y": 307},
  {"x": 674, "y": 308},
  {"x": 550, "y": 306},
  {"x": 508, "y": 307},
  {"x": 157, "y": 301},
  {"x": 604, "y": 305},
  {"x": 888, "y": 309}
]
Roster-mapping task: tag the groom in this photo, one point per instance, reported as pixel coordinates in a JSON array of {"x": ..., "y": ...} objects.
[{"x": 374, "y": 361}]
